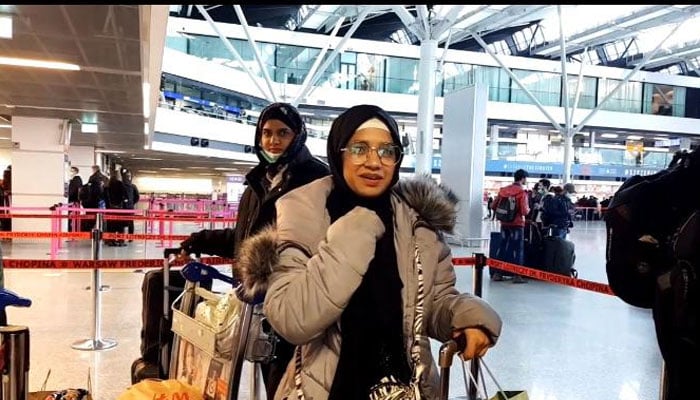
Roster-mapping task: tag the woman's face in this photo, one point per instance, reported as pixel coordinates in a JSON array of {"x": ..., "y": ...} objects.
[
  {"x": 366, "y": 174},
  {"x": 276, "y": 137}
]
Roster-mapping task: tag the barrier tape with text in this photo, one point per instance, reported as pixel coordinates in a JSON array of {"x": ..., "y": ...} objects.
[
  {"x": 87, "y": 235},
  {"x": 173, "y": 218},
  {"x": 101, "y": 264},
  {"x": 551, "y": 277}
]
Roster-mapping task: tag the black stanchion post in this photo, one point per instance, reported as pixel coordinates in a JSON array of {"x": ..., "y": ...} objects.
[
  {"x": 478, "y": 282},
  {"x": 96, "y": 342},
  {"x": 663, "y": 385}
]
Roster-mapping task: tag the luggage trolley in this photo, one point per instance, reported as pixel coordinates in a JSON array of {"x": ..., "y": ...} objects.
[{"x": 204, "y": 356}]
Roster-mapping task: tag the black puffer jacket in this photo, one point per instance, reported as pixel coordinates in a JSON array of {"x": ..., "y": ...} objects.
[
  {"x": 257, "y": 206},
  {"x": 256, "y": 209}
]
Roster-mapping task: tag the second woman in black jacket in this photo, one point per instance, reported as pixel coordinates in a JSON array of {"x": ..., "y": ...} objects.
[{"x": 285, "y": 164}]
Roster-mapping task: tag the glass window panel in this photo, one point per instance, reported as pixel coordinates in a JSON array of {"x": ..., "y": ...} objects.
[
  {"x": 627, "y": 99},
  {"x": 664, "y": 100},
  {"x": 545, "y": 86},
  {"x": 587, "y": 92},
  {"x": 401, "y": 75}
]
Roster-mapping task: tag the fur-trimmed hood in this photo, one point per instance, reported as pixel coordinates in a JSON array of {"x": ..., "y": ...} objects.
[{"x": 434, "y": 203}]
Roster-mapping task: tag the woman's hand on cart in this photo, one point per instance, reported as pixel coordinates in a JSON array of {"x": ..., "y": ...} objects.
[{"x": 478, "y": 342}]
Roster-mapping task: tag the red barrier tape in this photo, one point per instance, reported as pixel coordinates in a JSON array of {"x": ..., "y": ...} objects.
[
  {"x": 101, "y": 264},
  {"x": 142, "y": 236},
  {"x": 123, "y": 217},
  {"x": 550, "y": 277},
  {"x": 464, "y": 261},
  {"x": 51, "y": 235}
]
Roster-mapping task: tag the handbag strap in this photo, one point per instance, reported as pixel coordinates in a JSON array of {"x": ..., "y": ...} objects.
[{"x": 417, "y": 334}]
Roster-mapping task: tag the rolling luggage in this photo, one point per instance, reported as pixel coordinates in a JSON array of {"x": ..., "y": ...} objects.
[
  {"x": 533, "y": 246},
  {"x": 494, "y": 244},
  {"x": 156, "y": 336},
  {"x": 559, "y": 256}
]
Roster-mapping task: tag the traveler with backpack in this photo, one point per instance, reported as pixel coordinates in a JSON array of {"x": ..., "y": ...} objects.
[
  {"x": 511, "y": 207},
  {"x": 557, "y": 213}
]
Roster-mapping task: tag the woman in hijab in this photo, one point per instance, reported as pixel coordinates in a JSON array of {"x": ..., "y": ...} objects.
[
  {"x": 285, "y": 164},
  {"x": 362, "y": 277}
]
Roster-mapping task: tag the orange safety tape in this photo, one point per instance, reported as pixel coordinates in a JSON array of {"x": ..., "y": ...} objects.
[
  {"x": 101, "y": 264},
  {"x": 551, "y": 277}
]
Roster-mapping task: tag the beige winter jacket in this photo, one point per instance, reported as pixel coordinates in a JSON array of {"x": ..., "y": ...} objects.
[{"x": 309, "y": 280}]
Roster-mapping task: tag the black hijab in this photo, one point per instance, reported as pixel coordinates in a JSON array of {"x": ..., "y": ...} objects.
[
  {"x": 372, "y": 323},
  {"x": 288, "y": 114}
]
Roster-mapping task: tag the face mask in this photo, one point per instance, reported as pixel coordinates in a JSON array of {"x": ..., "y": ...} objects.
[{"x": 271, "y": 158}]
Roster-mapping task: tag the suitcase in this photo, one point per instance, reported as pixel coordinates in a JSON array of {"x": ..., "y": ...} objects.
[
  {"x": 156, "y": 334},
  {"x": 533, "y": 246},
  {"x": 559, "y": 256},
  {"x": 494, "y": 244}
]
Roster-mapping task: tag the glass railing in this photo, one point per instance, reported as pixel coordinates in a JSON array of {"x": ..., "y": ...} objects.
[{"x": 392, "y": 84}]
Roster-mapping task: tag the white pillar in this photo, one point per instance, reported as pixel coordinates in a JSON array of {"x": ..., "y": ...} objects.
[
  {"x": 39, "y": 168},
  {"x": 426, "y": 106},
  {"x": 494, "y": 142},
  {"x": 568, "y": 155},
  {"x": 464, "y": 155},
  {"x": 82, "y": 157}
]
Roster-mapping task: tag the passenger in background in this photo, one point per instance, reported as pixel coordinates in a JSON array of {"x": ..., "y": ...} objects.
[
  {"x": 132, "y": 196},
  {"x": 6, "y": 223},
  {"x": 557, "y": 213},
  {"x": 74, "y": 185},
  {"x": 285, "y": 164},
  {"x": 116, "y": 199},
  {"x": 348, "y": 285},
  {"x": 512, "y": 230}
]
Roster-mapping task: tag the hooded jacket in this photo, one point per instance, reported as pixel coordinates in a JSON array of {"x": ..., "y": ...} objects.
[
  {"x": 257, "y": 206},
  {"x": 309, "y": 280}
]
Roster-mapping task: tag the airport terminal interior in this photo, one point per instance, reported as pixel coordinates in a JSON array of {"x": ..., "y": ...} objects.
[{"x": 587, "y": 95}]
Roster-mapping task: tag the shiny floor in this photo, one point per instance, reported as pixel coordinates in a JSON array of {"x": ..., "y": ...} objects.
[{"x": 558, "y": 343}]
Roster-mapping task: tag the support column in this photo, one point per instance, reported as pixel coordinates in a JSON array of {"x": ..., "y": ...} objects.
[
  {"x": 568, "y": 154},
  {"x": 464, "y": 155},
  {"x": 39, "y": 168},
  {"x": 493, "y": 147},
  {"x": 426, "y": 106},
  {"x": 82, "y": 157}
]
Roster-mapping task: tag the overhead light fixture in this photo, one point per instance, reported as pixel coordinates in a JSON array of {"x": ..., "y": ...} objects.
[
  {"x": 147, "y": 158},
  {"x": 5, "y": 126},
  {"x": 25, "y": 62},
  {"x": 146, "y": 128},
  {"x": 87, "y": 127},
  {"x": 5, "y": 27},
  {"x": 110, "y": 151},
  {"x": 609, "y": 135},
  {"x": 634, "y": 137},
  {"x": 146, "y": 99},
  {"x": 661, "y": 137}
]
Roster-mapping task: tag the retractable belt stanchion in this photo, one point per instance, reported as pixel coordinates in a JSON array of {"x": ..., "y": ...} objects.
[
  {"x": 96, "y": 342},
  {"x": 478, "y": 282}
]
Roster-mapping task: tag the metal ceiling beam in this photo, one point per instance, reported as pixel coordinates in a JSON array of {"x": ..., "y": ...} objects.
[
  {"x": 498, "y": 20},
  {"x": 466, "y": 16},
  {"x": 636, "y": 69},
  {"x": 578, "y": 89},
  {"x": 256, "y": 52},
  {"x": 409, "y": 21},
  {"x": 423, "y": 15},
  {"x": 516, "y": 80},
  {"x": 307, "y": 80},
  {"x": 676, "y": 54},
  {"x": 334, "y": 54},
  {"x": 564, "y": 77},
  {"x": 232, "y": 50},
  {"x": 619, "y": 33},
  {"x": 309, "y": 14},
  {"x": 611, "y": 24}
]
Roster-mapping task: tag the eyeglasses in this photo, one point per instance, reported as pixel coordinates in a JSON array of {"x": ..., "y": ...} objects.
[{"x": 389, "y": 154}]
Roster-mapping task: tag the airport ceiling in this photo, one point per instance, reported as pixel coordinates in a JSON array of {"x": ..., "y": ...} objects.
[{"x": 118, "y": 47}]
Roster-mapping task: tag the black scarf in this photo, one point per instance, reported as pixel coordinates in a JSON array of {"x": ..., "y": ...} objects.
[{"x": 371, "y": 325}]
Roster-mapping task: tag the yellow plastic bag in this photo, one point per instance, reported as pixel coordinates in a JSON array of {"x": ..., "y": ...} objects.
[{"x": 153, "y": 389}]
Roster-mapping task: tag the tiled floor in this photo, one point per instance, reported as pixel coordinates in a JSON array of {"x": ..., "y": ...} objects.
[{"x": 558, "y": 343}]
